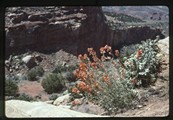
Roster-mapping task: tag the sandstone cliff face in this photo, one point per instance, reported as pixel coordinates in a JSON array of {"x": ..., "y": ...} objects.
[{"x": 73, "y": 29}]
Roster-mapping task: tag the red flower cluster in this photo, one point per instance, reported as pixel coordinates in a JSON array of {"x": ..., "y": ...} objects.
[
  {"x": 105, "y": 49},
  {"x": 117, "y": 53},
  {"x": 83, "y": 86},
  {"x": 139, "y": 53},
  {"x": 84, "y": 57},
  {"x": 75, "y": 90},
  {"x": 106, "y": 79}
]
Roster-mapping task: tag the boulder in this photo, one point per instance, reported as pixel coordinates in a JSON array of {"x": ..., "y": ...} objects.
[
  {"x": 29, "y": 61},
  {"x": 164, "y": 45},
  {"x": 62, "y": 99},
  {"x": 24, "y": 109}
]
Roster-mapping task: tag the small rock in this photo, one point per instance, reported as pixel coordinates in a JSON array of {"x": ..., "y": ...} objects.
[
  {"x": 13, "y": 67},
  {"x": 11, "y": 15},
  {"x": 17, "y": 68},
  {"x": 10, "y": 58},
  {"x": 16, "y": 57},
  {"x": 38, "y": 58},
  {"x": 139, "y": 106},
  {"x": 7, "y": 62},
  {"x": 11, "y": 70},
  {"x": 64, "y": 64}
]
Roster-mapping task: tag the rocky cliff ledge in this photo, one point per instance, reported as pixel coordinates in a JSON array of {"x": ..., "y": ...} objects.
[{"x": 72, "y": 29}]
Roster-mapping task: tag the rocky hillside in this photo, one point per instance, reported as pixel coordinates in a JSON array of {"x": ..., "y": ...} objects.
[
  {"x": 153, "y": 16},
  {"x": 72, "y": 29},
  {"x": 142, "y": 12}
]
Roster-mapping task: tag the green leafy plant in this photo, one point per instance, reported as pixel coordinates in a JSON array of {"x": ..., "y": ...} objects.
[
  {"x": 66, "y": 71},
  {"x": 11, "y": 88},
  {"x": 25, "y": 97},
  {"x": 53, "y": 83},
  {"x": 142, "y": 67},
  {"x": 60, "y": 69},
  {"x": 34, "y": 72}
]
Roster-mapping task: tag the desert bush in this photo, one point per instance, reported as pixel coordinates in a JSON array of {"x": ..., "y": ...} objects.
[
  {"x": 24, "y": 97},
  {"x": 53, "y": 83},
  {"x": 11, "y": 87},
  {"x": 61, "y": 68},
  {"x": 141, "y": 67},
  {"x": 111, "y": 82},
  {"x": 100, "y": 81},
  {"x": 66, "y": 71},
  {"x": 34, "y": 72}
]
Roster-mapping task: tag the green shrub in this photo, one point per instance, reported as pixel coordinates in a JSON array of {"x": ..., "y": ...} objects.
[
  {"x": 59, "y": 69},
  {"x": 11, "y": 88},
  {"x": 24, "y": 97},
  {"x": 70, "y": 76},
  {"x": 53, "y": 83},
  {"x": 34, "y": 72},
  {"x": 67, "y": 71},
  {"x": 144, "y": 68}
]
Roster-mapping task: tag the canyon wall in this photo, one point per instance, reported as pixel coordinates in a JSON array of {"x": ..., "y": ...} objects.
[{"x": 72, "y": 29}]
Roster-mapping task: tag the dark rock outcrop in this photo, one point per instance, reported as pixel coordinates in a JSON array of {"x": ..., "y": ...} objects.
[{"x": 73, "y": 29}]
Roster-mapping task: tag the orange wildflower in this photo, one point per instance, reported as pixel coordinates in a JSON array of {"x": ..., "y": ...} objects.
[
  {"x": 95, "y": 58},
  {"x": 82, "y": 65},
  {"x": 139, "y": 53},
  {"x": 117, "y": 53},
  {"x": 80, "y": 57},
  {"x": 91, "y": 74},
  {"x": 102, "y": 50},
  {"x": 89, "y": 89},
  {"x": 82, "y": 85},
  {"x": 76, "y": 72},
  {"x": 107, "y": 48},
  {"x": 75, "y": 90},
  {"x": 106, "y": 78},
  {"x": 94, "y": 65},
  {"x": 85, "y": 56}
]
